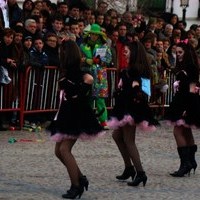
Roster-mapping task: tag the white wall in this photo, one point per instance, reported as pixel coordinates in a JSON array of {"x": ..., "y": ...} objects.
[{"x": 191, "y": 11}]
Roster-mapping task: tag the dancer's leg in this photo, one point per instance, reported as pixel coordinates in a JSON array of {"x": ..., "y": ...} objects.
[
  {"x": 118, "y": 138},
  {"x": 129, "y": 140},
  {"x": 69, "y": 160},
  {"x": 59, "y": 156}
]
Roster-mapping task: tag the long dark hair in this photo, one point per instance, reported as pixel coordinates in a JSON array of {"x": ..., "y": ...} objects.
[
  {"x": 190, "y": 61},
  {"x": 138, "y": 62},
  {"x": 70, "y": 58}
]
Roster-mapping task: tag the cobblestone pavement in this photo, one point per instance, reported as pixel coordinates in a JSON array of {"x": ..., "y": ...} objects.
[{"x": 30, "y": 171}]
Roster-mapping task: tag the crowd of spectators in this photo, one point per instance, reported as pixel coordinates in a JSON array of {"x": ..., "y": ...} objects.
[{"x": 32, "y": 35}]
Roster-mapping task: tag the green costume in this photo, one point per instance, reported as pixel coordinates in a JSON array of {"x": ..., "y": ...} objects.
[{"x": 90, "y": 50}]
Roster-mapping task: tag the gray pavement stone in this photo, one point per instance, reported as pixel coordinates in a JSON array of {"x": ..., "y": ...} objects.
[{"x": 30, "y": 171}]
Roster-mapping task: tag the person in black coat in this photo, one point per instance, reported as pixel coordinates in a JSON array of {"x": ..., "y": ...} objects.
[{"x": 51, "y": 49}]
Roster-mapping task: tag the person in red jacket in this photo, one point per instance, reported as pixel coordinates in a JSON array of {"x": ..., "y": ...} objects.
[{"x": 122, "y": 30}]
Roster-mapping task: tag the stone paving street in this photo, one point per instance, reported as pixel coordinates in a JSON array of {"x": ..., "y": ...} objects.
[{"x": 30, "y": 171}]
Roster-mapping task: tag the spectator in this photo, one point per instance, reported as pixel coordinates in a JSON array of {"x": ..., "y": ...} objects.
[
  {"x": 114, "y": 38},
  {"x": 182, "y": 26},
  {"x": 27, "y": 47},
  {"x": 7, "y": 49},
  {"x": 127, "y": 18},
  {"x": 30, "y": 29},
  {"x": 40, "y": 24},
  {"x": 167, "y": 32},
  {"x": 27, "y": 7},
  {"x": 18, "y": 47},
  {"x": 174, "y": 20},
  {"x": 122, "y": 30},
  {"x": 112, "y": 12},
  {"x": 197, "y": 31},
  {"x": 56, "y": 25},
  {"x": 99, "y": 19},
  {"x": 74, "y": 13},
  {"x": 172, "y": 55},
  {"x": 46, "y": 5},
  {"x": 74, "y": 28},
  {"x": 3, "y": 13},
  {"x": 38, "y": 4},
  {"x": 14, "y": 12},
  {"x": 151, "y": 25},
  {"x": 86, "y": 15},
  {"x": 51, "y": 49},
  {"x": 92, "y": 19},
  {"x": 102, "y": 7},
  {"x": 7, "y": 60},
  {"x": 38, "y": 57},
  {"x": 62, "y": 8},
  {"x": 35, "y": 12}
]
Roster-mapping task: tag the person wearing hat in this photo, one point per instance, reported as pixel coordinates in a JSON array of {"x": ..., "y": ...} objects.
[{"x": 96, "y": 56}]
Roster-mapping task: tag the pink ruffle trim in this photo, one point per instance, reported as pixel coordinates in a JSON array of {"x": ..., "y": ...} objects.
[
  {"x": 58, "y": 137},
  {"x": 180, "y": 122},
  {"x": 114, "y": 123}
]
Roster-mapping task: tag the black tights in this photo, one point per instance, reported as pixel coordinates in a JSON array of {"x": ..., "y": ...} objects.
[
  {"x": 63, "y": 152},
  {"x": 183, "y": 136},
  {"x": 125, "y": 140}
]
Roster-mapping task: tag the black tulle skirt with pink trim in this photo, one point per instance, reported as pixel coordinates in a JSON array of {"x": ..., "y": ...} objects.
[
  {"x": 184, "y": 110},
  {"x": 75, "y": 120},
  {"x": 127, "y": 111}
]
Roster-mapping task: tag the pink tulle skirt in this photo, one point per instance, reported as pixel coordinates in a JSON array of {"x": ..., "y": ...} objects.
[
  {"x": 58, "y": 137},
  {"x": 180, "y": 122},
  {"x": 114, "y": 123}
]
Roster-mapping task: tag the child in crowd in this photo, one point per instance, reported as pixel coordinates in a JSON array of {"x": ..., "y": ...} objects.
[{"x": 38, "y": 58}]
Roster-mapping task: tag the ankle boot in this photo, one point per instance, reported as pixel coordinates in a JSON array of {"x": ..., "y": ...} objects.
[
  {"x": 140, "y": 177},
  {"x": 127, "y": 173},
  {"x": 73, "y": 192},
  {"x": 84, "y": 182},
  {"x": 185, "y": 166},
  {"x": 193, "y": 150}
]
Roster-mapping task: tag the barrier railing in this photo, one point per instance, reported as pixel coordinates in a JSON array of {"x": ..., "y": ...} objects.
[
  {"x": 40, "y": 91},
  {"x": 36, "y": 91},
  {"x": 10, "y": 93},
  {"x": 112, "y": 83}
]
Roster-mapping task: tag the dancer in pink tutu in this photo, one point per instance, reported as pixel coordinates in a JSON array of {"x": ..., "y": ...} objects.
[
  {"x": 184, "y": 110},
  {"x": 75, "y": 118},
  {"x": 131, "y": 110}
]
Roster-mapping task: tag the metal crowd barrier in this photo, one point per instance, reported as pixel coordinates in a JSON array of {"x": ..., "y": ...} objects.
[
  {"x": 36, "y": 91},
  {"x": 112, "y": 84},
  {"x": 10, "y": 93},
  {"x": 40, "y": 92}
]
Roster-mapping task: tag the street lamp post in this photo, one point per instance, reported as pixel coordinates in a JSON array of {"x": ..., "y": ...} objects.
[
  {"x": 184, "y": 5},
  {"x": 127, "y": 5},
  {"x": 199, "y": 10},
  {"x": 172, "y": 6}
]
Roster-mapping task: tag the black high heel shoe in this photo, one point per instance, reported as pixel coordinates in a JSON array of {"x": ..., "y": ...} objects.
[
  {"x": 193, "y": 150},
  {"x": 185, "y": 166},
  {"x": 127, "y": 173},
  {"x": 84, "y": 182},
  {"x": 194, "y": 166},
  {"x": 73, "y": 192},
  {"x": 183, "y": 170},
  {"x": 140, "y": 177}
]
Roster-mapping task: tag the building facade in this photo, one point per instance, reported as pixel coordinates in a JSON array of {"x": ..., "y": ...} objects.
[{"x": 168, "y": 5}]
